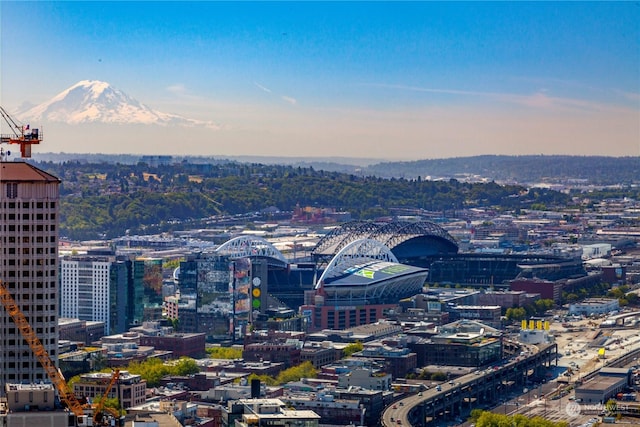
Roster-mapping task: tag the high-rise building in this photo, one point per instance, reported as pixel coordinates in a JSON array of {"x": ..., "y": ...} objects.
[
  {"x": 85, "y": 290},
  {"x": 119, "y": 301},
  {"x": 29, "y": 267},
  {"x": 102, "y": 287},
  {"x": 135, "y": 292}
]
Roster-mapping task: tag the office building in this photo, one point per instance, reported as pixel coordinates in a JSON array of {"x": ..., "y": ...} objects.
[
  {"x": 102, "y": 287},
  {"x": 84, "y": 289},
  {"x": 29, "y": 246}
]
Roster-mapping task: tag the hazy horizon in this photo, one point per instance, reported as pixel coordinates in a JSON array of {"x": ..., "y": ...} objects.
[{"x": 378, "y": 80}]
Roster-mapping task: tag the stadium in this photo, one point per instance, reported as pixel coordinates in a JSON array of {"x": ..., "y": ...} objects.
[
  {"x": 360, "y": 270},
  {"x": 366, "y": 272},
  {"x": 413, "y": 243}
]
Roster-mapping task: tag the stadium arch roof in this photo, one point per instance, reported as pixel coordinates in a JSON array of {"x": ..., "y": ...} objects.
[
  {"x": 366, "y": 272},
  {"x": 404, "y": 238},
  {"x": 354, "y": 254},
  {"x": 249, "y": 247}
]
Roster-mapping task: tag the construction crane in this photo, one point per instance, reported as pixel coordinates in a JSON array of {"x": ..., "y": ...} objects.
[
  {"x": 56, "y": 377},
  {"x": 21, "y": 135},
  {"x": 99, "y": 408}
]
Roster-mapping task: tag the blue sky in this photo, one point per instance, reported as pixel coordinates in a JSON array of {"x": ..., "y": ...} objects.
[{"x": 363, "y": 79}]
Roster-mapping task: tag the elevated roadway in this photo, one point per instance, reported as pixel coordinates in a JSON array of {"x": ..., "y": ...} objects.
[
  {"x": 452, "y": 399},
  {"x": 619, "y": 318}
]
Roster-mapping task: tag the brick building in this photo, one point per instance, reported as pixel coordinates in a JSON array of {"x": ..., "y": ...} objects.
[
  {"x": 131, "y": 390},
  {"x": 546, "y": 288},
  {"x": 190, "y": 345},
  {"x": 289, "y": 354}
]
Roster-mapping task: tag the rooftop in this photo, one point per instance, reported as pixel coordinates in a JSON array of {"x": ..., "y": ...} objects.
[
  {"x": 24, "y": 172},
  {"x": 39, "y": 386},
  {"x": 600, "y": 382}
]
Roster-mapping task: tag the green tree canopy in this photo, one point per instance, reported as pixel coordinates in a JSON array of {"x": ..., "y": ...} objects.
[
  {"x": 438, "y": 376},
  {"x": 489, "y": 419},
  {"x": 153, "y": 369},
  {"x": 224, "y": 352},
  {"x": 105, "y": 200},
  {"x": 516, "y": 314},
  {"x": 295, "y": 373},
  {"x": 350, "y": 349}
]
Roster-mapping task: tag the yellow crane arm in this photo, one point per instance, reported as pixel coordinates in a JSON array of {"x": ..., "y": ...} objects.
[
  {"x": 99, "y": 408},
  {"x": 66, "y": 395}
]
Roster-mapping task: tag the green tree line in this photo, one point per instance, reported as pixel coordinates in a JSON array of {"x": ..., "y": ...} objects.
[
  {"x": 106, "y": 200},
  {"x": 153, "y": 369},
  {"x": 224, "y": 352},
  {"x": 490, "y": 419},
  {"x": 295, "y": 373}
]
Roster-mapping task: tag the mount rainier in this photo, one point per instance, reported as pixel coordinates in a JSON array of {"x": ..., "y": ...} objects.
[{"x": 93, "y": 101}]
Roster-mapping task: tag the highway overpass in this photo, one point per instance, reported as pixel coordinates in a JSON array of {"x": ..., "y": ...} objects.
[{"x": 459, "y": 396}]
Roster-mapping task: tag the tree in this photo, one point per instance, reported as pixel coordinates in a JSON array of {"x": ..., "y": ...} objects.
[
  {"x": 295, "y": 373},
  {"x": 572, "y": 297},
  {"x": 112, "y": 402},
  {"x": 438, "y": 376},
  {"x": 185, "y": 366},
  {"x": 475, "y": 414},
  {"x": 489, "y": 419},
  {"x": 350, "y": 349},
  {"x": 153, "y": 369},
  {"x": 264, "y": 379},
  {"x": 515, "y": 314},
  {"x": 224, "y": 352},
  {"x": 542, "y": 305}
]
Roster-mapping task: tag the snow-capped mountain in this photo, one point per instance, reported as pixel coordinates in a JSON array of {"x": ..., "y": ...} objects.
[{"x": 93, "y": 101}]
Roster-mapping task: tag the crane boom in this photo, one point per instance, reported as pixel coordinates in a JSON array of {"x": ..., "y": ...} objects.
[
  {"x": 66, "y": 395},
  {"x": 14, "y": 126},
  {"x": 22, "y": 135},
  {"x": 99, "y": 408}
]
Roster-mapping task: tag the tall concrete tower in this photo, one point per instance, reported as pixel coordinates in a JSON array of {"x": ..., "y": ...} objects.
[{"x": 29, "y": 199}]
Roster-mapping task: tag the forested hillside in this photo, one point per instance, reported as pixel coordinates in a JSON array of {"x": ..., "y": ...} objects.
[
  {"x": 522, "y": 169},
  {"x": 593, "y": 170},
  {"x": 105, "y": 200}
]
